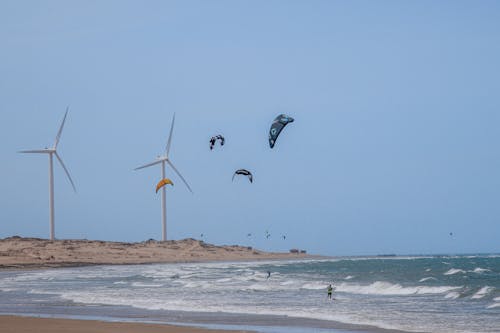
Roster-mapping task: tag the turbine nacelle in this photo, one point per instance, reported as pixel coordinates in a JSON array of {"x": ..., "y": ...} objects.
[{"x": 39, "y": 151}]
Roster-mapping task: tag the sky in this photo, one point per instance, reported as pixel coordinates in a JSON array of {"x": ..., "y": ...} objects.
[{"x": 394, "y": 144}]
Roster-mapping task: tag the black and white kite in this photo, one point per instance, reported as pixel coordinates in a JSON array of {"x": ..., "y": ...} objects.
[
  {"x": 277, "y": 126},
  {"x": 214, "y": 139},
  {"x": 244, "y": 172}
]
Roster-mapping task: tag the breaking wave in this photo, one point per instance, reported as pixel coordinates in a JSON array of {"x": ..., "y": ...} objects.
[
  {"x": 452, "y": 295},
  {"x": 427, "y": 279},
  {"x": 482, "y": 292},
  {"x": 454, "y": 271},
  {"x": 386, "y": 288}
]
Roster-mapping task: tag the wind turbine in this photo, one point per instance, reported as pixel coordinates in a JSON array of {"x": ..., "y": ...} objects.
[
  {"x": 165, "y": 159},
  {"x": 51, "y": 152}
]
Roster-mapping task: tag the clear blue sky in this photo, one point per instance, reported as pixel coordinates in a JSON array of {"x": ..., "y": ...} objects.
[{"x": 395, "y": 142}]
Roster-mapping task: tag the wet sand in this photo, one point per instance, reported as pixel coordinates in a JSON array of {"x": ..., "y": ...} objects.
[{"x": 13, "y": 324}]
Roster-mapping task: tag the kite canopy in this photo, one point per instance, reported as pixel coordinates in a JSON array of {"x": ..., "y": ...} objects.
[
  {"x": 244, "y": 172},
  {"x": 214, "y": 139},
  {"x": 277, "y": 126},
  {"x": 162, "y": 183}
]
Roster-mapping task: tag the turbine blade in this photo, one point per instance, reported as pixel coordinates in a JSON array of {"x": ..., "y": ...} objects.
[
  {"x": 35, "y": 151},
  {"x": 58, "y": 136},
  {"x": 179, "y": 174},
  {"x": 169, "y": 142},
  {"x": 66, "y": 170},
  {"x": 148, "y": 165}
]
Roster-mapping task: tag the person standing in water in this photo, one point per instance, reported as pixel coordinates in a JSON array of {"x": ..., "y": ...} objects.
[{"x": 330, "y": 291}]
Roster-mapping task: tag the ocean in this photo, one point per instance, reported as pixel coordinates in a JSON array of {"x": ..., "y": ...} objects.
[{"x": 412, "y": 294}]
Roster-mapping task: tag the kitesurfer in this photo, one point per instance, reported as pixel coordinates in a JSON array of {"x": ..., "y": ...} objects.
[
  {"x": 330, "y": 291},
  {"x": 212, "y": 142}
]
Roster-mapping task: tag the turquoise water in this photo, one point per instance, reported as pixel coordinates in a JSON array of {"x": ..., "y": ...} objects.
[{"x": 424, "y": 294}]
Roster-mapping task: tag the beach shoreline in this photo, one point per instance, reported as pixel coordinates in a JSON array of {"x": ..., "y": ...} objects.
[
  {"x": 211, "y": 323},
  {"x": 189, "y": 283},
  {"x": 27, "y": 324}
]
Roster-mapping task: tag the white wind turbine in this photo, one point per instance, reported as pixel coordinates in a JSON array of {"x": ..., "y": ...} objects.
[
  {"x": 51, "y": 152},
  {"x": 164, "y": 159}
]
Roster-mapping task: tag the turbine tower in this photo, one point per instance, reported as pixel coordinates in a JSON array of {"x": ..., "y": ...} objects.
[
  {"x": 51, "y": 152},
  {"x": 165, "y": 159}
]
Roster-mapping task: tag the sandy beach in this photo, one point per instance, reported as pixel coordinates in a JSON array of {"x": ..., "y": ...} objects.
[
  {"x": 34, "y": 253},
  {"x": 14, "y": 324},
  {"x": 18, "y": 252},
  {"x": 98, "y": 286}
]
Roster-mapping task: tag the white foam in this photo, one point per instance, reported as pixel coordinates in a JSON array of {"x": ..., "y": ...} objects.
[
  {"x": 287, "y": 283},
  {"x": 349, "y": 277},
  {"x": 494, "y": 305},
  {"x": 314, "y": 286},
  {"x": 386, "y": 288},
  {"x": 120, "y": 282},
  {"x": 146, "y": 285},
  {"x": 224, "y": 280},
  {"x": 261, "y": 287},
  {"x": 200, "y": 284},
  {"x": 454, "y": 271},
  {"x": 452, "y": 295},
  {"x": 427, "y": 279},
  {"x": 480, "y": 270},
  {"x": 483, "y": 292},
  {"x": 40, "y": 292}
]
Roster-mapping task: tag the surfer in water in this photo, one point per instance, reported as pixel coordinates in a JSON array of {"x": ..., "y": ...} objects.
[{"x": 268, "y": 274}]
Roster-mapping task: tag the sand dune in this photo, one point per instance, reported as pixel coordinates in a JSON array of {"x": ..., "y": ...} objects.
[{"x": 17, "y": 252}]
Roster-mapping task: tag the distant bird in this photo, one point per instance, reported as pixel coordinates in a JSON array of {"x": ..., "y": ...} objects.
[{"x": 284, "y": 237}]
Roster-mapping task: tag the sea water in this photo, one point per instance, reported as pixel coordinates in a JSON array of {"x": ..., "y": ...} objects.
[{"x": 414, "y": 294}]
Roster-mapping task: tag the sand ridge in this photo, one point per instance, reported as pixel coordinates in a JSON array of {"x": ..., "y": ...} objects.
[{"x": 18, "y": 252}]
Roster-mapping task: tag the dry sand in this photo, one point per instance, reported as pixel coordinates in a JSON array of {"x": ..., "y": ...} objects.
[
  {"x": 13, "y": 324},
  {"x": 17, "y": 252}
]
